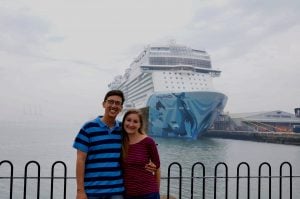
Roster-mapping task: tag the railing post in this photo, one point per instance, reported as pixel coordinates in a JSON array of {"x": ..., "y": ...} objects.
[
  {"x": 38, "y": 178},
  {"x": 226, "y": 180},
  {"x": 180, "y": 179},
  {"x": 259, "y": 179},
  {"x": 203, "y": 180},
  {"x": 238, "y": 179},
  {"x": 11, "y": 176},
  {"x": 280, "y": 180},
  {"x": 65, "y": 178}
]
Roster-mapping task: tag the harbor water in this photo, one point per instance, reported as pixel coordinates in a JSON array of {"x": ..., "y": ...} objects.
[{"x": 47, "y": 144}]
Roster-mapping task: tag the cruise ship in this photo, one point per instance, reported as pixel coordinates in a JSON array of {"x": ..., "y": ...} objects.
[{"x": 175, "y": 84}]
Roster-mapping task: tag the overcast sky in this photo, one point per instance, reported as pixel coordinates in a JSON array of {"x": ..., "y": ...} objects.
[{"x": 58, "y": 56}]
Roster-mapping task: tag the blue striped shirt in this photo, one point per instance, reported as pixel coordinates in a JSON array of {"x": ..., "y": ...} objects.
[{"x": 103, "y": 175}]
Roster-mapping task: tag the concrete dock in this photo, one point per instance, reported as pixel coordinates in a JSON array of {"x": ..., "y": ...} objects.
[{"x": 271, "y": 137}]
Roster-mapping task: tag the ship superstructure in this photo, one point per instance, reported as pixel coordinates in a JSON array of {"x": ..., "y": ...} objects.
[{"x": 175, "y": 82}]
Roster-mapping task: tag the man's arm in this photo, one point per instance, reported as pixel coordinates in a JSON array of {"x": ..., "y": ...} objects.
[
  {"x": 80, "y": 170},
  {"x": 151, "y": 167}
]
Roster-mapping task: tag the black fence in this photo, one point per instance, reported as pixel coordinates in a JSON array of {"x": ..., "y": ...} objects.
[{"x": 174, "y": 181}]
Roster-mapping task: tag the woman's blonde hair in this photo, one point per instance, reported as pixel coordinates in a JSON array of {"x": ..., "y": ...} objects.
[{"x": 125, "y": 138}]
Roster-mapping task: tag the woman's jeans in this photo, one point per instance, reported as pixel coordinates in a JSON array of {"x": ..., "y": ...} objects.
[{"x": 146, "y": 196}]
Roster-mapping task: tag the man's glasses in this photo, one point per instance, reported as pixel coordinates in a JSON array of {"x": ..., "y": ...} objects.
[{"x": 112, "y": 102}]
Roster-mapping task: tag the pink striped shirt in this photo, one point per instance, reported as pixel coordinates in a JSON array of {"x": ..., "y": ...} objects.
[{"x": 139, "y": 181}]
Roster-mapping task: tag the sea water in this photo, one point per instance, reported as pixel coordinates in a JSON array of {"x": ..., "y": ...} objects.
[{"x": 47, "y": 144}]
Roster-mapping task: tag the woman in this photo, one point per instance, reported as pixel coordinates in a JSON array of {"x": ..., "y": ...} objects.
[{"x": 137, "y": 150}]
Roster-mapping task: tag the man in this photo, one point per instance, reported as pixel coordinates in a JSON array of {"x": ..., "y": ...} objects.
[{"x": 98, "y": 144}]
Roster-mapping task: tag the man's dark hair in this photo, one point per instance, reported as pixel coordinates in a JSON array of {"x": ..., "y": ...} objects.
[{"x": 115, "y": 92}]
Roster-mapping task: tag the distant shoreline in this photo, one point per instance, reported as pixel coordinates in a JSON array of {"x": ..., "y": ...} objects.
[{"x": 270, "y": 137}]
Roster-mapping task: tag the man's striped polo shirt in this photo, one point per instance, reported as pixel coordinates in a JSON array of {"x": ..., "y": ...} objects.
[{"x": 103, "y": 175}]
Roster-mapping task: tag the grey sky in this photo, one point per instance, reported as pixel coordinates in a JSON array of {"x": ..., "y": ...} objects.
[{"x": 57, "y": 57}]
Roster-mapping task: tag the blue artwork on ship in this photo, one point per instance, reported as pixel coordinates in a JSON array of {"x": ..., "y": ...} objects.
[{"x": 183, "y": 114}]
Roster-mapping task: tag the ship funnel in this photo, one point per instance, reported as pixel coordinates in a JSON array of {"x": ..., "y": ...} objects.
[{"x": 297, "y": 112}]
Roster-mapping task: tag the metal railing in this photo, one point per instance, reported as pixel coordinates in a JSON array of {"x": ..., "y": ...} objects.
[{"x": 216, "y": 178}]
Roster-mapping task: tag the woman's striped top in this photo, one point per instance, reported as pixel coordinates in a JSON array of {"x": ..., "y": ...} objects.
[{"x": 139, "y": 181}]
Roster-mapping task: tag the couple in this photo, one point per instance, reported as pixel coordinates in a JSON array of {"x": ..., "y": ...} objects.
[{"x": 116, "y": 160}]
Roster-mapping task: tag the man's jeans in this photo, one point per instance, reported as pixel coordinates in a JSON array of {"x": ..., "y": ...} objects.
[{"x": 108, "y": 197}]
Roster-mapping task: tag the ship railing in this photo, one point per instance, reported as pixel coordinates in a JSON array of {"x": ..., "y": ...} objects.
[{"x": 175, "y": 185}]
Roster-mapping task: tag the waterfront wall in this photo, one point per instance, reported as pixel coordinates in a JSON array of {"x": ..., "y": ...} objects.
[{"x": 271, "y": 137}]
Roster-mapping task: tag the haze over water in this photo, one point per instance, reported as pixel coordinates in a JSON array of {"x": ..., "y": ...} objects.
[{"x": 20, "y": 144}]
